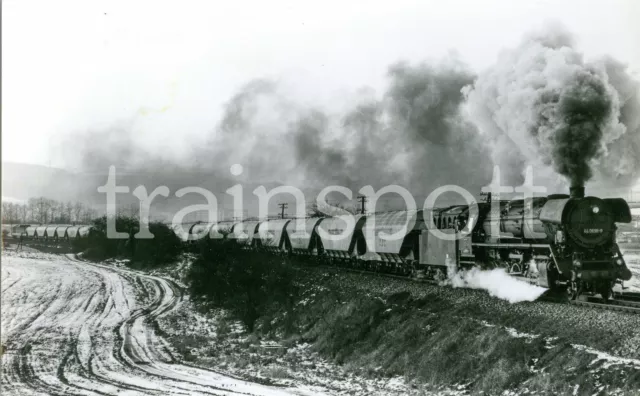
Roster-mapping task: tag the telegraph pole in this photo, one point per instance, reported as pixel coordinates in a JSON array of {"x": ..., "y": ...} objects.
[
  {"x": 362, "y": 200},
  {"x": 282, "y": 206}
]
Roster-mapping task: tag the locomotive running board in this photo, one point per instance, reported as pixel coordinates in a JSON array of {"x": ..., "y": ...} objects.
[{"x": 513, "y": 245}]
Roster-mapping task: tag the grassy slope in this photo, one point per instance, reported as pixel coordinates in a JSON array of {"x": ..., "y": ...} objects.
[
  {"x": 380, "y": 328},
  {"x": 445, "y": 336}
]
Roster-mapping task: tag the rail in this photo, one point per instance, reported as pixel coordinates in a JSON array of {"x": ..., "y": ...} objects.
[{"x": 612, "y": 305}]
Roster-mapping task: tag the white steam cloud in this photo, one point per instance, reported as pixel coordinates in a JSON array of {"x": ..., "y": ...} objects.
[{"x": 496, "y": 281}]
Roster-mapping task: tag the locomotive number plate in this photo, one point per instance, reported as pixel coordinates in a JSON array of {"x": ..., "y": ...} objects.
[{"x": 593, "y": 230}]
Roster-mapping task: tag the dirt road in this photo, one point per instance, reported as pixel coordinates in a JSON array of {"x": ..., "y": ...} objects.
[{"x": 76, "y": 328}]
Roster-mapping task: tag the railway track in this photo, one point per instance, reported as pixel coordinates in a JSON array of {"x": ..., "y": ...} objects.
[
  {"x": 612, "y": 305},
  {"x": 629, "y": 296},
  {"x": 378, "y": 273},
  {"x": 622, "y": 302}
]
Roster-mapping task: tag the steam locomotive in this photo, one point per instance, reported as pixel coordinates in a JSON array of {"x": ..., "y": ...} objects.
[
  {"x": 568, "y": 241},
  {"x": 561, "y": 242}
]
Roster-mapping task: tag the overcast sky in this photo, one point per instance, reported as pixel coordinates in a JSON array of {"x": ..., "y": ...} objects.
[{"x": 166, "y": 68}]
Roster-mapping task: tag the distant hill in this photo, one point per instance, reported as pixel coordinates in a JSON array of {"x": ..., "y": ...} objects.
[
  {"x": 12, "y": 200},
  {"x": 24, "y": 181}
]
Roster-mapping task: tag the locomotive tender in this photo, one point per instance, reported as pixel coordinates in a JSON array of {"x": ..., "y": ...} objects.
[{"x": 561, "y": 242}]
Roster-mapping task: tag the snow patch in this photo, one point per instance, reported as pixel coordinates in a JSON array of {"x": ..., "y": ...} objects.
[
  {"x": 513, "y": 332},
  {"x": 516, "y": 334},
  {"x": 548, "y": 342},
  {"x": 609, "y": 360}
]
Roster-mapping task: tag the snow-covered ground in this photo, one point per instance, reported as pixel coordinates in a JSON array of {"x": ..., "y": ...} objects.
[
  {"x": 71, "y": 327},
  {"x": 632, "y": 258}
]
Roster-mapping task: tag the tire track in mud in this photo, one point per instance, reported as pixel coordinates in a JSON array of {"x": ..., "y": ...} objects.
[
  {"x": 143, "y": 354},
  {"x": 6, "y": 277},
  {"x": 26, "y": 367},
  {"x": 128, "y": 349},
  {"x": 84, "y": 332},
  {"x": 27, "y": 371}
]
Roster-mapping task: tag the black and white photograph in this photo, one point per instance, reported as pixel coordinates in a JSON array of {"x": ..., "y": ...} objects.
[{"x": 332, "y": 198}]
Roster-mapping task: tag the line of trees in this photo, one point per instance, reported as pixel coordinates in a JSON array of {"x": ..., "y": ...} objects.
[
  {"x": 315, "y": 210},
  {"x": 43, "y": 210}
]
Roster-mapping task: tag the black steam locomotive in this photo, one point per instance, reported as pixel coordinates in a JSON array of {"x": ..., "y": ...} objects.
[{"x": 563, "y": 241}]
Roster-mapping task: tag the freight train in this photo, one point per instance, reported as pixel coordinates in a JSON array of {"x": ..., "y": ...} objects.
[{"x": 566, "y": 243}]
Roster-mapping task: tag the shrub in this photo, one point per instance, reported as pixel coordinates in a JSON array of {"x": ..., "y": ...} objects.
[
  {"x": 162, "y": 249},
  {"x": 245, "y": 282}
]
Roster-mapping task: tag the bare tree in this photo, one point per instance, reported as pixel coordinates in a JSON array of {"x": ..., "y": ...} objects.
[
  {"x": 128, "y": 210},
  {"x": 48, "y": 212},
  {"x": 23, "y": 212},
  {"x": 68, "y": 210},
  {"x": 134, "y": 210},
  {"x": 9, "y": 213},
  {"x": 37, "y": 207},
  {"x": 45, "y": 211},
  {"x": 33, "y": 208},
  {"x": 78, "y": 209},
  {"x": 315, "y": 210},
  {"x": 61, "y": 216},
  {"x": 53, "y": 210},
  {"x": 5, "y": 212},
  {"x": 87, "y": 215},
  {"x": 14, "y": 213}
]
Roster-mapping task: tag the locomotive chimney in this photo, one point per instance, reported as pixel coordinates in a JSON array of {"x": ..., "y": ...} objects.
[{"x": 576, "y": 191}]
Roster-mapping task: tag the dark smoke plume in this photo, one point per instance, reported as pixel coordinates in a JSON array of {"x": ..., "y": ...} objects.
[
  {"x": 324, "y": 161},
  {"x": 620, "y": 166},
  {"x": 583, "y": 109},
  {"x": 427, "y": 99},
  {"x": 425, "y": 110},
  {"x": 543, "y": 105},
  {"x": 413, "y": 135}
]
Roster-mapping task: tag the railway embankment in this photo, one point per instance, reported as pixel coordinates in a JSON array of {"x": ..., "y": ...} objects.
[{"x": 367, "y": 334}]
